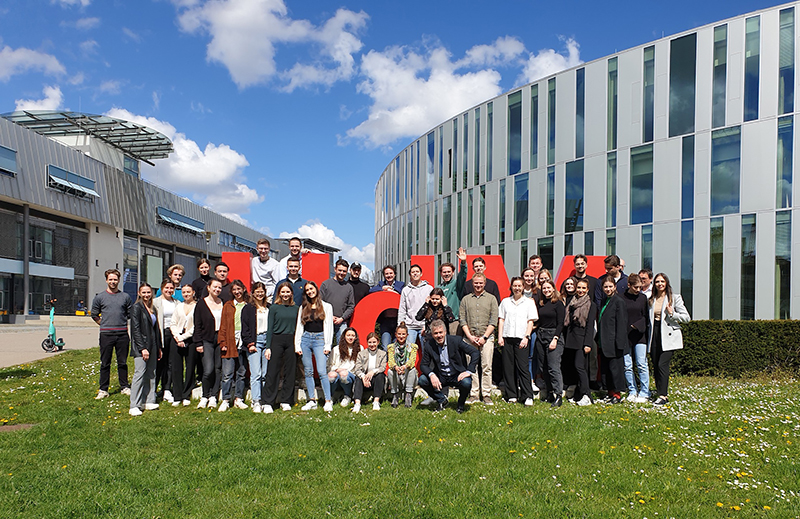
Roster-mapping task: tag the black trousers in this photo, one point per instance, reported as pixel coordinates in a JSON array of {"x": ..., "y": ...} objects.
[
  {"x": 163, "y": 373},
  {"x": 661, "y": 360},
  {"x": 516, "y": 369},
  {"x": 614, "y": 371},
  {"x": 212, "y": 368},
  {"x": 377, "y": 384},
  {"x": 568, "y": 374},
  {"x": 282, "y": 359},
  {"x": 193, "y": 359},
  {"x": 550, "y": 360},
  {"x": 177, "y": 358},
  {"x": 118, "y": 342},
  {"x": 581, "y": 366}
]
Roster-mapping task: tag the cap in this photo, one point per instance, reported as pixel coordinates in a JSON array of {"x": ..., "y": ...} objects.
[{"x": 355, "y": 265}]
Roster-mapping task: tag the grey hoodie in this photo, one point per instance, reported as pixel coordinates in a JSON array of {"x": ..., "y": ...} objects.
[{"x": 411, "y": 300}]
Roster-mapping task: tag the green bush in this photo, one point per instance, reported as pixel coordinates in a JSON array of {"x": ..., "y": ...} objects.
[{"x": 734, "y": 348}]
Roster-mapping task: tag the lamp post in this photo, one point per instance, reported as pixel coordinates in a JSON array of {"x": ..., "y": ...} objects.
[{"x": 208, "y": 235}]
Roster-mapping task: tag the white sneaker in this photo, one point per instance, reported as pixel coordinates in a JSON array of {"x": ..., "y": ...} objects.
[
  {"x": 168, "y": 396},
  {"x": 427, "y": 401},
  {"x": 267, "y": 409},
  {"x": 212, "y": 402},
  {"x": 641, "y": 400},
  {"x": 150, "y": 407},
  {"x": 223, "y": 406},
  {"x": 176, "y": 403},
  {"x": 103, "y": 394},
  {"x": 256, "y": 407},
  {"x": 528, "y": 402},
  {"x": 239, "y": 404},
  {"x": 585, "y": 401},
  {"x": 135, "y": 411},
  {"x": 310, "y": 405},
  {"x": 328, "y": 407},
  {"x": 512, "y": 400},
  {"x": 203, "y": 403},
  {"x": 357, "y": 407},
  {"x": 124, "y": 391},
  {"x": 631, "y": 397},
  {"x": 346, "y": 401},
  {"x": 376, "y": 405},
  {"x": 187, "y": 403},
  {"x": 286, "y": 407}
]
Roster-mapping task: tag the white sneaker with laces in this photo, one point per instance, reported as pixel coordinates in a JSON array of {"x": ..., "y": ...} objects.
[
  {"x": 168, "y": 396},
  {"x": 512, "y": 400},
  {"x": 101, "y": 395},
  {"x": 376, "y": 405},
  {"x": 150, "y": 407},
  {"x": 135, "y": 411},
  {"x": 346, "y": 401},
  {"x": 310, "y": 406},
  {"x": 125, "y": 391},
  {"x": 641, "y": 400},
  {"x": 328, "y": 407},
  {"x": 203, "y": 403},
  {"x": 631, "y": 397},
  {"x": 239, "y": 404},
  {"x": 212, "y": 402},
  {"x": 223, "y": 406},
  {"x": 585, "y": 401},
  {"x": 528, "y": 402},
  {"x": 176, "y": 403},
  {"x": 256, "y": 407},
  {"x": 357, "y": 407},
  {"x": 267, "y": 409},
  {"x": 187, "y": 403},
  {"x": 285, "y": 407}
]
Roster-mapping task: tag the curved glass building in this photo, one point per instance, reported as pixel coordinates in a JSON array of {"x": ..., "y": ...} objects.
[{"x": 677, "y": 155}]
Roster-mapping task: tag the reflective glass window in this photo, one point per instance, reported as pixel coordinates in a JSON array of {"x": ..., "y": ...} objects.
[
  {"x": 551, "y": 121},
  {"x": 446, "y": 224},
  {"x": 489, "y": 140},
  {"x": 580, "y": 104},
  {"x": 687, "y": 263},
  {"x": 752, "y": 49},
  {"x": 588, "y": 243},
  {"x": 465, "y": 152},
  {"x": 611, "y": 242},
  {"x": 545, "y": 246},
  {"x": 454, "y": 171},
  {"x": 725, "y": 170},
  {"x": 611, "y": 189},
  {"x": 483, "y": 215},
  {"x": 429, "y": 164},
  {"x": 747, "y": 299},
  {"x": 573, "y": 197},
  {"x": 441, "y": 158},
  {"x": 783, "y": 264},
  {"x": 647, "y": 246},
  {"x": 611, "y": 105},
  {"x": 687, "y": 177},
  {"x": 715, "y": 269},
  {"x": 470, "y": 216},
  {"x": 785, "y": 149},
  {"x": 648, "y": 104},
  {"x": 568, "y": 239},
  {"x": 534, "y": 126},
  {"x": 551, "y": 199},
  {"x": 459, "y": 219},
  {"x": 8, "y": 160},
  {"x": 521, "y": 206},
  {"x": 720, "y": 76},
  {"x": 786, "y": 62},
  {"x": 514, "y": 133},
  {"x": 477, "y": 150},
  {"x": 682, "y": 71},
  {"x": 502, "y": 212},
  {"x": 642, "y": 184}
]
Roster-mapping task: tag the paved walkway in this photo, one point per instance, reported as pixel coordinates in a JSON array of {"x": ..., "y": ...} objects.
[{"x": 22, "y": 343}]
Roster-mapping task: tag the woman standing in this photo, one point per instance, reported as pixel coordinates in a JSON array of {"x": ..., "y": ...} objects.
[
  {"x": 435, "y": 307},
  {"x": 342, "y": 363},
  {"x": 516, "y": 317},
  {"x": 667, "y": 312},
  {"x": 579, "y": 321},
  {"x": 279, "y": 343},
  {"x": 403, "y": 364},
  {"x": 549, "y": 341},
  {"x": 312, "y": 336},
  {"x": 637, "y": 305},
  {"x": 182, "y": 327},
  {"x": 164, "y": 306},
  {"x": 256, "y": 359},
  {"x": 544, "y": 275},
  {"x": 531, "y": 290},
  {"x": 612, "y": 333},
  {"x": 145, "y": 350},
  {"x": 237, "y": 337},
  {"x": 568, "y": 289},
  {"x": 370, "y": 365},
  {"x": 207, "y": 319},
  {"x": 201, "y": 282}
]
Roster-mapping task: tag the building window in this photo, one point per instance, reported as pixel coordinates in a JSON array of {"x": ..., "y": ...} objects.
[
  {"x": 534, "y": 126},
  {"x": 502, "y": 211},
  {"x": 747, "y": 308},
  {"x": 8, "y": 161},
  {"x": 752, "y": 48},
  {"x": 416, "y": 233},
  {"x": 523, "y": 254},
  {"x": 465, "y": 152},
  {"x": 580, "y": 103},
  {"x": 446, "y": 224},
  {"x": 514, "y": 133},
  {"x": 70, "y": 183},
  {"x": 477, "y": 146},
  {"x": 455, "y": 155},
  {"x": 715, "y": 269},
  {"x": 687, "y": 177},
  {"x": 180, "y": 221},
  {"x": 611, "y": 242},
  {"x": 459, "y": 219},
  {"x": 642, "y": 184},
  {"x": 489, "y": 140},
  {"x": 409, "y": 234},
  {"x": 786, "y": 63},
  {"x": 785, "y": 148},
  {"x": 483, "y": 215},
  {"x": 725, "y": 165},
  {"x": 551, "y": 121},
  {"x": 441, "y": 158},
  {"x": 545, "y": 246},
  {"x": 470, "y": 216},
  {"x": 588, "y": 243},
  {"x": 682, "y": 71},
  {"x": 397, "y": 176},
  {"x": 568, "y": 239},
  {"x": 551, "y": 199},
  {"x": 783, "y": 264},
  {"x": 429, "y": 164},
  {"x": 428, "y": 229},
  {"x": 130, "y": 166},
  {"x": 687, "y": 263},
  {"x": 611, "y": 190},
  {"x": 419, "y": 145},
  {"x": 611, "y": 130},
  {"x": 720, "y": 76},
  {"x": 573, "y": 200},
  {"x": 521, "y": 206},
  {"x": 649, "y": 103},
  {"x": 435, "y": 244},
  {"x": 647, "y": 246}
]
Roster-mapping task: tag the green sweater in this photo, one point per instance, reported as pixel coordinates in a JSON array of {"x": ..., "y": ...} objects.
[
  {"x": 453, "y": 289},
  {"x": 282, "y": 320}
]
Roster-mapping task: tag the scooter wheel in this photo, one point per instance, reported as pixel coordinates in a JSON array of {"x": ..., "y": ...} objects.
[
  {"x": 48, "y": 345},
  {"x": 61, "y": 344}
]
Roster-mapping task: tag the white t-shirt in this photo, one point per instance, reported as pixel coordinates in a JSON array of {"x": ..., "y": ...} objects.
[{"x": 516, "y": 315}]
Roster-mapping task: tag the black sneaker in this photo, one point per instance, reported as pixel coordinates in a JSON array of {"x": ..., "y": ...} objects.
[
  {"x": 556, "y": 402},
  {"x": 460, "y": 409},
  {"x": 440, "y": 406},
  {"x": 662, "y": 400}
]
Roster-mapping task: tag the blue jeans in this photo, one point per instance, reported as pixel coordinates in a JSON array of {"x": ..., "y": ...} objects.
[
  {"x": 463, "y": 387},
  {"x": 640, "y": 351},
  {"x": 258, "y": 368},
  {"x": 338, "y": 330},
  {"x": 238, "y": 366},
  {"x": 533, "y": 360},
  {"x": 346, "y": 385},
  {"x": 314, "y": 343},
  {"x": 386, "y": 340},
  {"x": 412, "y": 336}
]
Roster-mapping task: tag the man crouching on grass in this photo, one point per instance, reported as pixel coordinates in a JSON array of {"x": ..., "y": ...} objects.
[{"x": 444, "y": 365}]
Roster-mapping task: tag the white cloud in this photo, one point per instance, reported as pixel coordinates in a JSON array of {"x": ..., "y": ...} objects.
[
  {"x": 89, "y": 47},
  {"x": 18, "y": 61},
  {"x": 244, "y": 35},
  {"x": 213, "y": 175},
  {"x": 53, "y": 99},
  {"x": 503, "y": 51},
  {"x": 72, "y": 3},
  {"x": 77, "y": 79},
  {"x": 317, "y": 231},
  {"x": 132, "y": 35},
  {"x": 82, "y": 24},
  {"x": 111, "y": 87},
  {"x": 156, "y": 101},
  {"x": 548, "y": 61}
]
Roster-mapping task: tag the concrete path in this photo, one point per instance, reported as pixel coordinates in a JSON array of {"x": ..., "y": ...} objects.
[{"x": 20, "y": 344}]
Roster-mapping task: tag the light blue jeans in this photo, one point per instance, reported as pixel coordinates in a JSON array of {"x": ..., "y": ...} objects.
[
  {"x": 258, "y": 368},
  {"x": 640, "y": 352},
  {"x": 346, "y": 385},
  {"x": 314, "y": 343},
  {"x": 412, "y": 336}
]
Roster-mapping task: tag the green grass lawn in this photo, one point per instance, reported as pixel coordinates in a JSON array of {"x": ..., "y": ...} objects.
[{"x": 722, "y": 448}]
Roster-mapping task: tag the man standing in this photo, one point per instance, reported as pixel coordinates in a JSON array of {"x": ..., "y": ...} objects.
[
  {"x": 360, "y": 289},
  {"x": 175, "y": 274},
  {"x": 581, "y": 262},
  {"x": 614, "y": 269},
  {"x": 296, "y": 251},
  {"x": 444, "y": 365},
  {"x": 535, "y": 263},
  {"x": 646, "y": 277},
  {"x": 111, "y": 309},
  {"x": 479, "y": 266},
  {"x": 413, "y": 296},
  {"x": 264, "y": 268},
  {"x": 388, "y": 318},
  {"x": 453, "y": 286},
  {"x": 478, "y": 321},
  {"x": 339, "y": 294},
  {"x": 294, "y": 279},
  {"x": 221, "y": 273}
]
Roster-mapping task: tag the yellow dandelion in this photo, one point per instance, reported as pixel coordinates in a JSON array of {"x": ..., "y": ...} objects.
[
  {"x": 765, "y": 506},
  {"x": 641, "y": 501},
  {"x": 511, "y": 452},
  {"x": 602, "y": 452},
  {"x": 736, "y": 507},
  {"x": 720, "y": 504}
]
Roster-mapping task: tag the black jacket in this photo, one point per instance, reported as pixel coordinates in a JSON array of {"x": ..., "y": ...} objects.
[
  {"x": 457, "y": 350},
  {"x": 204, "y": 323},
  {"x": 578, "y": 337},
  {"x": 145, "y": 334},
  {"x": 612, "y": 328}
]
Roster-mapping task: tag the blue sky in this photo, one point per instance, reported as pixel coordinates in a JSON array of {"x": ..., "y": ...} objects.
[{"x": 284, "y": 113}]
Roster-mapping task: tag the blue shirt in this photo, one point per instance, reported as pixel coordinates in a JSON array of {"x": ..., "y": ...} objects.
[
  {"x": 444, "y": 358},
  {"x": 298, "y": 287}
]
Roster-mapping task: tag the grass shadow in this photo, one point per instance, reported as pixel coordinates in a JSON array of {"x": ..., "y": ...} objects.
[{"x": 18, "y": 373}]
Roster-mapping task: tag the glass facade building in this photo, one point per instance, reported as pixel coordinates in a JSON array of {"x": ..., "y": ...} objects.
[{"x": 676, "y": 155}]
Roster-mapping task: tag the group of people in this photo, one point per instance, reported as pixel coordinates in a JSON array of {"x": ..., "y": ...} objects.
[{"x": 587, "y": 334}]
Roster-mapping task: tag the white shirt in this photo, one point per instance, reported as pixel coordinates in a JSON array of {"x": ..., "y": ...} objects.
[
  {"x": 372, "y": 361},
  {"x": 516, "y": 314},
  {"x": 268, "y": 272},
  {"x": 262, "y": 317},
  {"x": 285, "y": 269}
]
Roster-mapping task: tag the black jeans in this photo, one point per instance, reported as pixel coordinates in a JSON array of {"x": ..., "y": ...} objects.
[
  {"x": 163, "y": 371},
  {"x": 177, "y": 358},
  {"x": 661, "y": 360},
  {"x": 550, "y": 360},
  {"x": 581, "y": 364},
  {"x": 193, "y": 359},
  {"x": 614, "y": 371},
  {"x": 282, "y": 359},
  {"x": 212, "y": 368},
  {"x": 464, "y": 387},
  {"x": 109, "y": 343},
  {"x": 516, "y": 370},
  {"x": 377, "y": 384}
]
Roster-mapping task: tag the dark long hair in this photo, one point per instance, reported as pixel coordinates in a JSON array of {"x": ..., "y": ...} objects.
[
  {"x": 344, "y": 348},
  {"x": 667, "y": 288},
  {"x": 308, "y": 313},
  {"x": 255, "y": 302},
  {"x": 245, "y": 295},
  {"x": 276, "y": 300},
  {"x": 139, "y": 298}
]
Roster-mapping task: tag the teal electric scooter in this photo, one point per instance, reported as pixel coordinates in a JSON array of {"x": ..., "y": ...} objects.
[{"x": 51, "y": 344}]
